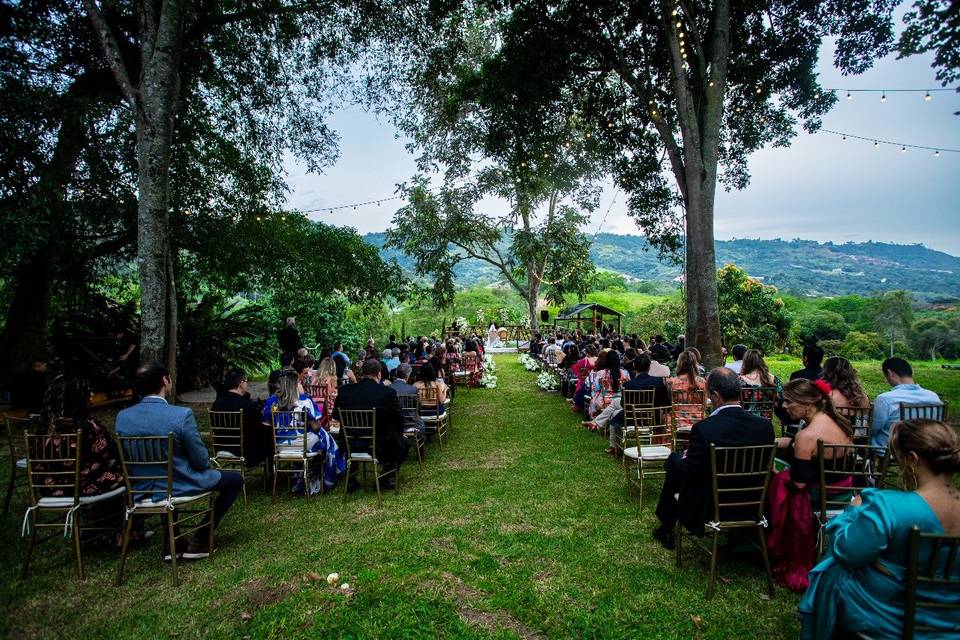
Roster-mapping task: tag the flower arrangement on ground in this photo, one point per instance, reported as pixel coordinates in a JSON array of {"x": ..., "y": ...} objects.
[
  {"x": 488, "y": 380},
  {"x": 488, "y": 364},
  {"x": 547, "y": 381},
  {"x": 528, "y": 362}
]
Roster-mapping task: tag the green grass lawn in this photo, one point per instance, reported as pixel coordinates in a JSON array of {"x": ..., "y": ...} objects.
[{"x": 522, "y": 527}]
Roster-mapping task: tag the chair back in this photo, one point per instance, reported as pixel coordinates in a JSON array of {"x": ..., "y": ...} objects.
[
  {"x": 846, "y": 469},
  {"x": 941, "y": 573},
  {"x": 861, "y": 419},
  {"x": 359, "y": 429},
  {"x": 289, "y": 430},
  {"x": 409, "y": 409},
  {"x": 16, "y": 428},
  {"x": 916, "y": 410},
  {"x": 689, "y": 406},
  {"x": 641, "y": 398},
  {"x": 53, "y": 465},
  {"x": 741, "y": 476},
  {"x": 471, "y": 363},
  {"x": 759, "y": 400},
  {"x": 323, "y": 398},
  {"x": 147, "y": 460},
  {"x": 647, "y": 426},
  {"x": 430, "y": 400},
  {"x": 226, "y": 432}
]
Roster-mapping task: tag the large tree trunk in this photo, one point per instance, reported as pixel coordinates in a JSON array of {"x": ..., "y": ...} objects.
[
  {"x": 700, "y": 286},
  {"x": 533, "y": 295},
  {"x": 24, "y": 336},
  {"x": 155, "y": 112}
]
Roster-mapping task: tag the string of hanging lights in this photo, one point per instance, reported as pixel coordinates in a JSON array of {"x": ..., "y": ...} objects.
[{"x": 878, "y": 141}]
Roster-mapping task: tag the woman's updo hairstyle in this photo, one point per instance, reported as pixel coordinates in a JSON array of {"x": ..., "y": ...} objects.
[
  {"x": 935, "y": 442},
  {"x": 816, "y": 394}
]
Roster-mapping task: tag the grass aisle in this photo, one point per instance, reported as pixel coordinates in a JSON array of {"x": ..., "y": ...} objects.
[{"x": 520, "y": 528}]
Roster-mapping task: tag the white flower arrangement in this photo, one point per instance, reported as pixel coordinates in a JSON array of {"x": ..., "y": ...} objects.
[
  {"x": 504, "y": 314},
  {"x": 488, "y": 380},
  {"x": 460, "y": 323},
  {"x": 489, "y": 365},
  {"x": 547, "y": 381},
  {"x": 528, "y": 362}
]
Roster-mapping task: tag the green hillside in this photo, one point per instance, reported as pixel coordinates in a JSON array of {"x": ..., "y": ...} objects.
[{"x": 799, "y": 267}]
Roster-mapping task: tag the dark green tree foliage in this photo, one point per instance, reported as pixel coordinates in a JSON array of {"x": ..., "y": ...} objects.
[
  {"x": 819, "y": 324},
  {"x": 934, "y": 25},
  {"x": 932, "y": 337},
  {"x": 892, "y": 315},
  {"x": 690, "y": 88},
  {"x": 457, "y": 113},
  {"x": 750, "y": 312}
]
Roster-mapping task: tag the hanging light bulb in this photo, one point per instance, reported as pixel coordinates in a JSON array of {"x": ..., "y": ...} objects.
[
  {"x": 903, "y": 149},
  {"x": 817, "y": 96},
  {"x": 711, "y": 83},
  {"x": 876, "y": 145},
  {"x": 936, "y": 154},
  {"x": 927, "y": 97},
  {"x": 258, "y": 218},
  {"x": 674, "y": 12},
  {"x": 759, "y": 90},
  {"x": 679, "y": 24},
  {"x": 849, "y": 96},
  {"x": 653, "y": 113},
  {"x": 844, "y": 138},
  {"x": 883, "y": 97}
]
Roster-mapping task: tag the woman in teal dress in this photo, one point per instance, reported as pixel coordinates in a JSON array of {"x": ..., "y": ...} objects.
[{"x": 860, "y": 584}]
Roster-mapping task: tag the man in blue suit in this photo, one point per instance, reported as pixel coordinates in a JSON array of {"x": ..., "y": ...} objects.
[{"x": 192, "y": 474}]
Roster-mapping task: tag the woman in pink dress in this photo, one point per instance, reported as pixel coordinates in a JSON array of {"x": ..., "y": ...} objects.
[{"x": 688, "y": 378}]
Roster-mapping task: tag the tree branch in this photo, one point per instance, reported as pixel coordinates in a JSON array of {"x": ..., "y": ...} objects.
[
  {"x": 112, "y": 52},
  {"x": 499, "y": 265}
]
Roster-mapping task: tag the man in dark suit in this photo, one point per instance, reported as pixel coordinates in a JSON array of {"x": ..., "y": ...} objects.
[
  {"x": 257, "y": 437},
  {"x": 368, "y": 393},
  {"x": 812, "y": 364},
  {"x": 288, "y": 337},
  {"x": 687, "y": 494}
]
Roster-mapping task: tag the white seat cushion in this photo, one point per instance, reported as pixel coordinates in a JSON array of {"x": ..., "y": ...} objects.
[
  {"x": 227, "y": 455},
  {"x": 410, "y": 432},
  {"x": 362, "y": 457},
  {"x": 174, "y": 501},
  {"x": 22, "y": 463},
  {"x": 833, "y": 513},
  {"x": 68, "y": 501},
  {"x": 655, "y": 453},
  {"x": 434, "y": 418},
  {"x": 293, "y": 454}
]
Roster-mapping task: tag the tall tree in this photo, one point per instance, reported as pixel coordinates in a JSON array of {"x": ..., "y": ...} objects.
[
  {"x": 893, "y": 315},
  {"x": 689, "y": 87},
  {"x": 276, "y": 51},
  {"x": 453, "y": 96}
]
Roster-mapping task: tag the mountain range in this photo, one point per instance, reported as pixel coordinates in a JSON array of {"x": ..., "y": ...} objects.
[{"x": 798, "y": 267}]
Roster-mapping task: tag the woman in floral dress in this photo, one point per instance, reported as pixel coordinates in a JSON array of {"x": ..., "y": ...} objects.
[{"x": 688, "y": 378}]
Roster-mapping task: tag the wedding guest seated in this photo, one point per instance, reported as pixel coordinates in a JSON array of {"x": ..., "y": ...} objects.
[
  {"x": 391, "y": 360},
  {"x": 755, "y": 374},
  {"x": 687, "y": 379},
  {"x": 659, "y": 357},
  {"x": 858, "y": 589},
  {"x": 304, "y": 423},
  {"x": 886, "y": 407},
  {"x": 552, "y": 353},
  {"x": 338, "y": 351},
  {"x": 257, "y": 438},
  {"x": 403, "y": 388},
  {"x": 738, "y": 351},
  {"x": 192, "y": 473},
  {"x": 344, "y": 374},
  {"x": 368, "y": 393},
  {"x": 428, "y": 380},
  {"x": 65, "y": 410},
  {"x": 582, "y": 369},
  {"x": 286, "y": 364},
  {"x": 687, "y": 493},
  {"x": 607, "y": 383},
  {"x": 847, "y": 392},
  {"x": 614, "y": 413},
  {"x": 812, "y": 357},
  {"x": 794, "y": 492}
]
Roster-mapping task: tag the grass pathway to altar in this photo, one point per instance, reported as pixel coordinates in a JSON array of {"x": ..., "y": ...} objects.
[{"x": 520, "y": 528}]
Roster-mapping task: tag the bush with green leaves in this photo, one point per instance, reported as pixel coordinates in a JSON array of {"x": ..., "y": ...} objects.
[
  {"x": 750, "y": 311},
  {"x": 860, "y": 345}
]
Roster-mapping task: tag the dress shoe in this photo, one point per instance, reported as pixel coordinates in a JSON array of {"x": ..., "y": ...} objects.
[
  {"x": 665, "y": 538},
  {"x": 196, "y": 551}
]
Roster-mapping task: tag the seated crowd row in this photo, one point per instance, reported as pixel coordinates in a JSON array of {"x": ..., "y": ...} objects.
[
  {"x": 859, "y": 584},
  {"x": 300, "y": 414}
]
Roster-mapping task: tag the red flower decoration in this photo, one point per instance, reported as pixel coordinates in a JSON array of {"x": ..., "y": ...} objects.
[{"x": 824, "y": 386}]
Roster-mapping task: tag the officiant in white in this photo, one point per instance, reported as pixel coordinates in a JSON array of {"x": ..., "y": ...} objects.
[{"x": 493, "y": 336}]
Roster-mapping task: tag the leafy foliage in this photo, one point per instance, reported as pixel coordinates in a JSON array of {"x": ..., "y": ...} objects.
[
  {"x": 750, "y": 312},
  {"x": 934, "y": 25}
]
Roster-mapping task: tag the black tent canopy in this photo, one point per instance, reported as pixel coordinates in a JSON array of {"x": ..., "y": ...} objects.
[{"x": 594, "y": 312}]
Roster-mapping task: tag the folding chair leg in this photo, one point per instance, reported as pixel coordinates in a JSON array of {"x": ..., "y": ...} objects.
[
  {"x": 128, "y": 527},
  {"x": 33, "y": 538},
  {"x": 376, "y": 482},
  {"x": 678, "y": 538},
  {"x": 10, "y": 487},
  {"x": 346, "y": 482},
  {"x": 173, "y": 546},
  {"x": 213, "y": 503},
  {"x": 711, "y": 584},
  {"x": 273, "y": 498},
  {"x": 640, "y": 473},
  {"x": 76, "y": 545},
  {"x": 766, "y": 560},
  {"x": 243, "y": 477}
]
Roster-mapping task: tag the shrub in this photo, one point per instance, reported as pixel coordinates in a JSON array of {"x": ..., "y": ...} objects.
[{"x": 863, "y": 346}]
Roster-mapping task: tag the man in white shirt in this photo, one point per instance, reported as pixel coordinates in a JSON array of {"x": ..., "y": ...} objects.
[
  {"x": 739, "y": 350},
  {"x": 553, "y": 353}
]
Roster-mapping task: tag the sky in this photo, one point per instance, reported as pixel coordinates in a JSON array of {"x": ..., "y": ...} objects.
[{"x": 820, "y": 188}]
